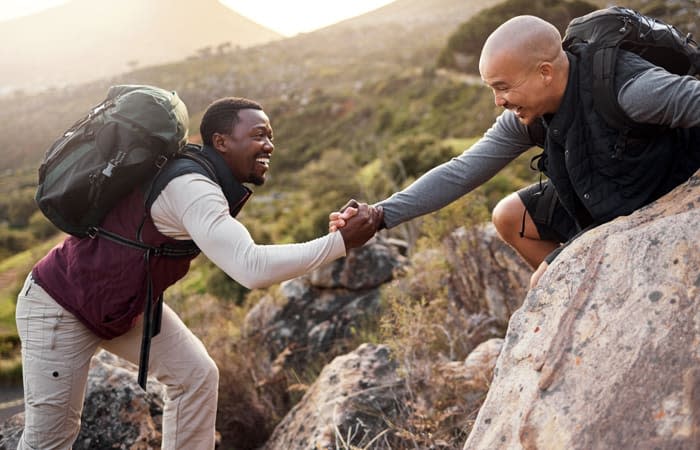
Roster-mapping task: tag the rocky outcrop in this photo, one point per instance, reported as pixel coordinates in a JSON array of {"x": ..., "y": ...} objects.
[
  {"x": 423, "y": 409},
  {"x": 487, "y": 277},
  {"x": 310, "y": 314},
  {"x": 604, "y": 352},
  {"x": 349, "y": 405},
  {"x": 116, "y": 414}
]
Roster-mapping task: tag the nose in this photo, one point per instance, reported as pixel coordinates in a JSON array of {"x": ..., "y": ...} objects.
[
  {"x": 268, "y": 146},
  {"x": 499, "y": 100}
]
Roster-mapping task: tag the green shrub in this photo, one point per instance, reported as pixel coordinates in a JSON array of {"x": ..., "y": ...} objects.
[
  {"x": 471, "y": 35},
  {"x": 223, "y": 287},
  {"x": 40, "y": 227}
]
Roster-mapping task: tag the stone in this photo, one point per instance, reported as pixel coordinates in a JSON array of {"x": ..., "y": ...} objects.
[
  {"x": 365, "y": 267},
  {"x": 487, "y": 275},
  {"x": 348, "y": 406},
  {"x": 309, "y": 315},
  {"x": 117, "y": 413},
  {"x": 604, "y": 351}
]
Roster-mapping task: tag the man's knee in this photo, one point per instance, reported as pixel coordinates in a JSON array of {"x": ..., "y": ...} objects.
[
  {"x": 211, "y": 374},
  {"x": 507, "y": 216},
  {"x": 200, "y": 376}
]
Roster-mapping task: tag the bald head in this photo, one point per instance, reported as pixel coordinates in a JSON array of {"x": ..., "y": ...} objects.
[
  {"x": 525, "y": 66},
  {"x": 524, "y": 41}
]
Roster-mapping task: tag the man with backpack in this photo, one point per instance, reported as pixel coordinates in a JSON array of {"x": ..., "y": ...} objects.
[
  {"x": 91, "y": 292},
  {"x": 618, "y": 131}
]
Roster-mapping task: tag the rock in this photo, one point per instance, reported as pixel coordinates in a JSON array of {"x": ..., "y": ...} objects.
[
  {"x": 11, "y": 431},
  {"x": 444, "y": 408},
  {"x": 351, "y": 402},
  {"x": 116, "y": 414},
  {"x": 479, "y": 365},
  {"x": 310, "y": 314},
  {"x": 117, "y": 410},
  {"x": 365, "y": 267},
  {"x": 604, "y": 351},
  {"x": 487, "y": 275}
]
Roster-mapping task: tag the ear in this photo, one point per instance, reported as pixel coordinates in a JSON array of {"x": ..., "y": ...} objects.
[
  {"x": 546, "y": 70},
  {"x": 218, "y": 141}
]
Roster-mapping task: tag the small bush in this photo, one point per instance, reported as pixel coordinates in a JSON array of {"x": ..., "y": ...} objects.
[{"x": 426, "y": 331}]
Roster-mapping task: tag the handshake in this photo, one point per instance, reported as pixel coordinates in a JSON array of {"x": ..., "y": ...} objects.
[{"x": 357, "y": 222}]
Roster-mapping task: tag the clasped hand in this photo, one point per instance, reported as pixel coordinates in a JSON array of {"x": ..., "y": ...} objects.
[{"x": 357, "y": 222}]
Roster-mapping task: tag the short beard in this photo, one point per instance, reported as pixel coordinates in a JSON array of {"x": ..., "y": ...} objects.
[{"x": 256, "y": 180}]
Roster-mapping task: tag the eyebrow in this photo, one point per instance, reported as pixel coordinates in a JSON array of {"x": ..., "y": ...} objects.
[{"x": 264, "y": 127}]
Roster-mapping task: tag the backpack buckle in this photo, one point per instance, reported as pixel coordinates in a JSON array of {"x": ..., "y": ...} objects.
[
  {"x": 92, "y": 232},
  {"x": 161, "y": 160}
]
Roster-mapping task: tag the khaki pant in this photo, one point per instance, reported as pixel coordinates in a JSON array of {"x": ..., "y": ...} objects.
[{"x": 56, "y": 352}]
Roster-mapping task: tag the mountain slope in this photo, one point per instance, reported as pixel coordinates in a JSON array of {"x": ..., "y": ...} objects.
[{"x": 85, "y": 40}]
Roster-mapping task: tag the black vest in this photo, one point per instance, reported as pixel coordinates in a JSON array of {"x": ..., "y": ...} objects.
[{"x": 599, "y": 174}]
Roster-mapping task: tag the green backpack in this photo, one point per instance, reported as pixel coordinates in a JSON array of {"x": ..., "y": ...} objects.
[{"x": 117, "y": 146}]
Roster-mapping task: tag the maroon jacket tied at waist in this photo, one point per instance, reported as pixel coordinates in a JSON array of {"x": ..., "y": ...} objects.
[{"x": 103, "y": 283}]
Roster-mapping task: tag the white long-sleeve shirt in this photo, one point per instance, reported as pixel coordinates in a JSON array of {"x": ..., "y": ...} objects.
[{"x": 193, "y": 207}]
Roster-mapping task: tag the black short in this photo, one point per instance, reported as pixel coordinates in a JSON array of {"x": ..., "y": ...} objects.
[{"x": 551, "y": 219}]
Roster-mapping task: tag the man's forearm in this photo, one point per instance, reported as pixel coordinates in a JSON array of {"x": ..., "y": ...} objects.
[{"x": 502, "y": 143}]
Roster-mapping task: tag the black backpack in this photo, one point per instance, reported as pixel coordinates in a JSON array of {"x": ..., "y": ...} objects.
[
  {"x": 617, "y": 28},
  {"x": 118, "y": 145}
]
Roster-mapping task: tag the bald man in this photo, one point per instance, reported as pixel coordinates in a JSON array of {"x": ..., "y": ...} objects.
[{"x": 547, "y": 96}]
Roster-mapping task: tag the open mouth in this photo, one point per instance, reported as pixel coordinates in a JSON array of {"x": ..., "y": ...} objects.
[{"x": 263, "y": 161}]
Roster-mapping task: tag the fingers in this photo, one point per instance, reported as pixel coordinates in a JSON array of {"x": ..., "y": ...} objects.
[
  {"x": 337, "y": 220},
  {"x": 351, "y": 203},
  {"x": 362, "y": 226},
  {"x": 357, "y": 222}
]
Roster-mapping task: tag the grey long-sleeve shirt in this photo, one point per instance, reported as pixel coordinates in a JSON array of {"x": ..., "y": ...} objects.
[{"x": 654, "y": 96}]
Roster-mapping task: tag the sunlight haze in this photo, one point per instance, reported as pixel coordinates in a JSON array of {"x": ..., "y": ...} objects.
[
  {"x": 285, "y": 17},
  {"x": 292, "y": 17}
]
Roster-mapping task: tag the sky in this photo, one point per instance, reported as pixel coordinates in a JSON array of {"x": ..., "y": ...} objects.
[{"x": 287, "y": 17}]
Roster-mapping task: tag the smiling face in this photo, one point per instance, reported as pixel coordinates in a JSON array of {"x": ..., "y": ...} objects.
[
  {"x": 523, "y": 90},
  {"x": 248, "y": 148},
  {"x": 523, "y": 63}
]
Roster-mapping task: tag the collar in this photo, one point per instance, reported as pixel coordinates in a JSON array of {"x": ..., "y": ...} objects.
[
  {"x": 236, "y": 193},
  {"x": 559, "y": 122}
]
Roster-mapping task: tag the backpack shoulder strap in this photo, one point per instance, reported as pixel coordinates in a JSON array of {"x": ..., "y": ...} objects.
[
  {"x": 604, "y": 94},
  {"x": 188, "y": 161}
]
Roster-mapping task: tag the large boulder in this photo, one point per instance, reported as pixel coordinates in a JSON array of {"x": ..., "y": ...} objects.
[{"x": 604, "y": 352}]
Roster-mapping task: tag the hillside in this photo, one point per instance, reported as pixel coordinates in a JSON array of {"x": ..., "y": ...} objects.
[
  {"x": 84, "y": 40},
  {"x": 463, "y": 47},
  {"x": 340, "y": 58}
]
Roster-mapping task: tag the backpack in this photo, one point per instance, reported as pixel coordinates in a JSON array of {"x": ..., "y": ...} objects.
[
  {"x": 119, "y": 144},
  {"x": 614, "y": 28}
]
